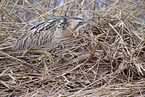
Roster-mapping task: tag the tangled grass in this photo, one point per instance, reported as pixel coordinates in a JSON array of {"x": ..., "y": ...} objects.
[{"x": 105, "y": 59}]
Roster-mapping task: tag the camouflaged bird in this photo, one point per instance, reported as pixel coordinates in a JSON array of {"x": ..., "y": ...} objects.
[{"x": 49, "y": 31}]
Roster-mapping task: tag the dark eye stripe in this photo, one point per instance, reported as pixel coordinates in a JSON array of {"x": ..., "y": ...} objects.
[{"x": 64, "y": 26}]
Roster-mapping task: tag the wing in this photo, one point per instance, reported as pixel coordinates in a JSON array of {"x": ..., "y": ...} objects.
[{"x": 38, "y": 35}]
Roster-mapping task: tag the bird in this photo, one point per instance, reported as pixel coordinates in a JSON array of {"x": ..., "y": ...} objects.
[{"x": 47, "y": 33}]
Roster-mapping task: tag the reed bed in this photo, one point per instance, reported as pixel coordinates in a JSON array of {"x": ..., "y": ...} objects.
[{"x": 106, "y": 59}]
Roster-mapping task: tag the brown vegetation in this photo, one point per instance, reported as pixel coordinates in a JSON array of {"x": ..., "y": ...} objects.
[{"x": 105, "y": 59}]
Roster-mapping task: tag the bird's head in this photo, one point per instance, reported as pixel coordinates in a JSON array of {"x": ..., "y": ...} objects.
[{"x": 72, "y": 25}]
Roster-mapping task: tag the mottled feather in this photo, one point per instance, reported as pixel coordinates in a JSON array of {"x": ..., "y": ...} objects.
[
  {"x": 49, "y": 32},
  {"x": 39, "y": 34}
]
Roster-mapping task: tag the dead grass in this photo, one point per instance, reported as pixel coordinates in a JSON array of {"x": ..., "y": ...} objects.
[{"x": 105, "y": 59}]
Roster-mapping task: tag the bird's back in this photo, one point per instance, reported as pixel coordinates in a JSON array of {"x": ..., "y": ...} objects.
[{"x": 39, "y": 35}]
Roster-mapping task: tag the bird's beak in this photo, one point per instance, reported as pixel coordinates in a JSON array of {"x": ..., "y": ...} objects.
[
  {"x": 84, "y": 23},
  {"x": 89, "y": 22}
]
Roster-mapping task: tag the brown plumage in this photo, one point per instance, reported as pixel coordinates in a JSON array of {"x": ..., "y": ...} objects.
[{"x": 49, "y": 32}]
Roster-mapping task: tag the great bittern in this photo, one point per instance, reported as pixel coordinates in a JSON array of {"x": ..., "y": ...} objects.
[{"x": 48, "y": 33}]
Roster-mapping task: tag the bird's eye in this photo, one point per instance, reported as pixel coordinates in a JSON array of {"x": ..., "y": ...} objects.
[{"x": 80, "y": 23}]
